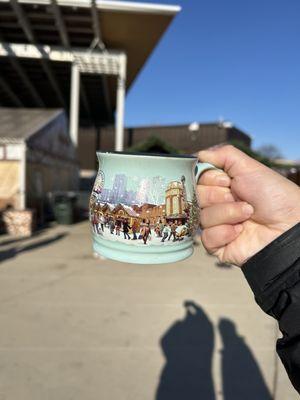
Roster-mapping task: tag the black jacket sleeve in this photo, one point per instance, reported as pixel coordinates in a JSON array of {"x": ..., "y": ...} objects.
[{"x": 274, "y": 276}]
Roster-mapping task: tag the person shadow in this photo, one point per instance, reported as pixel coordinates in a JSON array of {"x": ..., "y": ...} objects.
[
  {"x": 241, "y": 375},
  {"x": 188, "y": 348}
]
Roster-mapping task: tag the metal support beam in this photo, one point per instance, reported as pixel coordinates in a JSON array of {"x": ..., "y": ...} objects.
[
  {"x": 121, "y": 87},
  {"x": 27, "y": 29},
  {"x": 64, "y": 37},
  {"x": 23, "y": 20},
  {"x": 33, "y": 92},
  {"x": 98, "y": 42},
  {"x": 5, "y": 48},
  {"x": 10, "y": 93},
  {"x": 63, "y": 33},
  {"x": 74, "y": 103}
]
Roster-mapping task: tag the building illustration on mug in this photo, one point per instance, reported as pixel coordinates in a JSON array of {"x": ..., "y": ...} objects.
[
  {"x": 147, "y": 211},
  {"x": 142, "y": 211}
]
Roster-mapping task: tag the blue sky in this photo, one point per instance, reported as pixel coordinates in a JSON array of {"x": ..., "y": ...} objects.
[{"x": 239, "y": 60}]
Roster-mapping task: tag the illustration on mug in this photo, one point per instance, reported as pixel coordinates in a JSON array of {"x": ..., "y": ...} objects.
[{"x": 145, "y": 211}]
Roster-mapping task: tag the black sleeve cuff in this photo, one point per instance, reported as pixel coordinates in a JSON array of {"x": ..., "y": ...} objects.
[{"x": 274, "y": 269}]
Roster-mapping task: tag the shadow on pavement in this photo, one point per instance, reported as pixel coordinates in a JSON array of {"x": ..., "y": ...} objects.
[
  {"x": 14, "y": 251},
  {"x": 223, "y": 265},
  {"x": 241, "y": 375},
  {"x": 13, "y": 240},
  {"x": 188, "y": 348}
]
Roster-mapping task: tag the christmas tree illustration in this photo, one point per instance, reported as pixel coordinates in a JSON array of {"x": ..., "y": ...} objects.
[{"x": 193, "y": 220}]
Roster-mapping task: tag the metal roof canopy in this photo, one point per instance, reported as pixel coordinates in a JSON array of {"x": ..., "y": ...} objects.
[{"x": 44, "y": 42}]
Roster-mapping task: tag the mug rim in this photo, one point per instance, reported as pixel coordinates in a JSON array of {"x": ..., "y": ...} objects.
[{"x": 154, "y": 155}]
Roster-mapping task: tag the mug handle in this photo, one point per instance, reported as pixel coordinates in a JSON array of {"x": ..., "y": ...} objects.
[{"x": 202, "y": 167}]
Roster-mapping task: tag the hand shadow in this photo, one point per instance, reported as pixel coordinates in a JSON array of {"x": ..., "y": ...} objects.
[
  {"x": 188, "y": 348},
  {"x": 242, "y": 378}
]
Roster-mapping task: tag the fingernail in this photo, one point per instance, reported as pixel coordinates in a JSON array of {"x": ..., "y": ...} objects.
[
  {"x": 248, "y": 210},
  {"x": 238, "y": 228}
]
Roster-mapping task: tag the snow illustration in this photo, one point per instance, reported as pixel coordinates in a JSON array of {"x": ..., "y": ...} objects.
[{"x": 142, "y": 211}]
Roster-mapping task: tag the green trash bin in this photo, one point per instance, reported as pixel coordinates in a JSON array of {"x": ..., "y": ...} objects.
[{"x": 64, "y": 208}]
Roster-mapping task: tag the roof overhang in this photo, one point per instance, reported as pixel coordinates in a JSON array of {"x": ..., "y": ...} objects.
[
  {"x": 19, "y": 124},
  {"x": 125, "y": 27},
  {"x": 128, "y": 6}
]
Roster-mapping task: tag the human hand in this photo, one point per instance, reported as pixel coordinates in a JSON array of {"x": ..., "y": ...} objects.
[{"x": 244, "y": 208}]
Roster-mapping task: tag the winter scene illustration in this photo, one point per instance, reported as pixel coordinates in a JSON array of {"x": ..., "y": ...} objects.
[{"x": 143, "y": 211}]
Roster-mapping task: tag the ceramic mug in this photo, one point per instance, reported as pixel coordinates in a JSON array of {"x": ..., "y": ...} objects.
[{"x": 143, "y": 207}]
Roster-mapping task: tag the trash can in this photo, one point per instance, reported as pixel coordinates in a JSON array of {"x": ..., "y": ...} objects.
[{"x": 64, "y": 208}]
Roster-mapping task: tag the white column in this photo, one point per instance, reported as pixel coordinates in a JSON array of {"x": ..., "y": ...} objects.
[
  {"x": 74, "y": 103},
  {"x": 22, "y": 201},
  {"x": 121, "y": 88}
]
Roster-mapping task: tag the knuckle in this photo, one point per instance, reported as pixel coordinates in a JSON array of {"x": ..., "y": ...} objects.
[
  {"x": 229, "y": 148},
  {"x": 231, "y": 211},
  {"x": 210, "y": 196}
]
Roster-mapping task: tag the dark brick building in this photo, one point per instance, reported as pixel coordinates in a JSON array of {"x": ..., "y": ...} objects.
[{"x": 186, "y": 138}]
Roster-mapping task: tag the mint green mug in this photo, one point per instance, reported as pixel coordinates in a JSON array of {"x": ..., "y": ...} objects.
[{"x": 143, "y": 207}]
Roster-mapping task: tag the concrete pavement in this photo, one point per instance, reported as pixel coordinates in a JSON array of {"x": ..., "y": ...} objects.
[{"x": 75, "y": 327}]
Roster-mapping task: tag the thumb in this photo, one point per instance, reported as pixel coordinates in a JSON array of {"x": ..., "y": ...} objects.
[{"x": 230, "y": 159}]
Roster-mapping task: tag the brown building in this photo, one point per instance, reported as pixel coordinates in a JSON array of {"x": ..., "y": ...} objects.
[
  {"x": 123, "y": 212},
  {"x": 152, "y": 213},
  {"x": 187, "y": 138}
]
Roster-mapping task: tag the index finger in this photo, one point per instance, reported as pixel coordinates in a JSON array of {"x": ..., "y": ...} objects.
[
  {"x": 214, "y": 177},
  {"x": 228, "y": 158}
]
